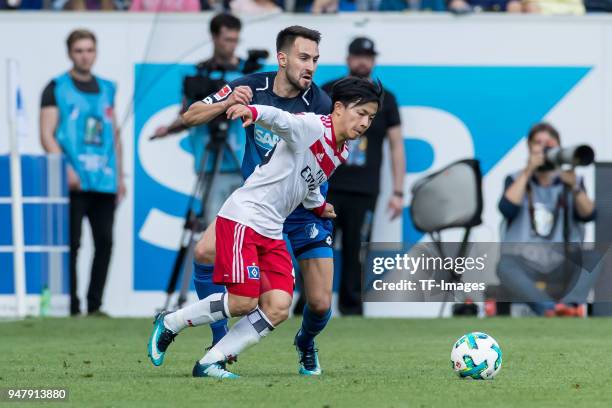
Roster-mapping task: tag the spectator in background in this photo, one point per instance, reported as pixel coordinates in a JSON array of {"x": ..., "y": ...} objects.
[
  {"x": 216, "y": 6},
  {"x": 573, "y": 7},
  {"x": 355, "y": 186},
  {"x": 77, "y": 119},
  {"x": 539, "y": 210},
  {"x": 332, "y": 6},
  {"x": 84, "y": 5},
  {"x": 89, "y": 5},
  {"x": 324, "y": 6},
  {"x": 463, "y": 6},
  {"x": 400, "y": 5},
  {"x": 254, "y": 7},
  {"x": 166, "y": 5},
  {"x": 22, "y": 5}
]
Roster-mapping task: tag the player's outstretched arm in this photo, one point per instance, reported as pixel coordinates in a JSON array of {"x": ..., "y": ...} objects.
[{"x": 202, "y": 112}]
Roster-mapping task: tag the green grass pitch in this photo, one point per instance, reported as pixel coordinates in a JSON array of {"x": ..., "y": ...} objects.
[{"x": 366, "y": 363}]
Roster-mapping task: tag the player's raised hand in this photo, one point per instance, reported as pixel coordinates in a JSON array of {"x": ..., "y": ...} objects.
[
  {"x": 329, "y": 211},
  {"x": 241, "y": 95},
  {"x": 240, "y": 111}
]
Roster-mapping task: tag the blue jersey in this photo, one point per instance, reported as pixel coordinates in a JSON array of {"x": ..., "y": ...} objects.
[{"x": 260, "y": 141}]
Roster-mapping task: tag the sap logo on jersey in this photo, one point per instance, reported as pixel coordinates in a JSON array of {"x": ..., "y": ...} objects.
[
  {"x": 264, "y": 138},
  {"x": 253, "y": 271}
]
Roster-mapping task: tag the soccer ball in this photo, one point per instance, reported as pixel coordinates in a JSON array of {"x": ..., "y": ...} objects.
[{"x": 476, "y": 355}]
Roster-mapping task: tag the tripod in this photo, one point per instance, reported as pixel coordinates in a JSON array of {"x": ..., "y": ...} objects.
[
  {"x": 454, "y": 276},
  {"x": 195, "y": 221}
]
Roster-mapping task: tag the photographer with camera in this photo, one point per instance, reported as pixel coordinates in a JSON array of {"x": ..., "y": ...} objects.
[
  {"x": 543, "y": 204},
  {"x": 222, "y": 67}
]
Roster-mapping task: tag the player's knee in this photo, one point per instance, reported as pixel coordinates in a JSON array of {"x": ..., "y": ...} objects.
[
  {"x": 240, "y": 306},
  {"x": 277, "y": 315},
  {"x": 276, "y": 311},
  {"x": 320, "y": 304},
  {"x": 204, "y": 253}
]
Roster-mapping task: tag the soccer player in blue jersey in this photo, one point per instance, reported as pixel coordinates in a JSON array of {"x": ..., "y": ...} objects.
[{"x": 291, "y": 88}]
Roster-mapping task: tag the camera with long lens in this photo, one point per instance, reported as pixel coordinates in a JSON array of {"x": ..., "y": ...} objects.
[{"x": 578, "y": 155}]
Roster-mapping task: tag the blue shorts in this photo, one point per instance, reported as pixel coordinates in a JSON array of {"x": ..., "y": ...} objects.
[{"x": 309, "y": 236}]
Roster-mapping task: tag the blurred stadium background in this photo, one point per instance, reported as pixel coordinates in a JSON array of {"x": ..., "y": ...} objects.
[{"x": 467, "y": 86}]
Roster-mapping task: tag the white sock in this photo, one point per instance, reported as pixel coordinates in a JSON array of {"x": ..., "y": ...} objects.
[
  {"x": 247, "y": 332},
  {"x": 205, "y": 311}
]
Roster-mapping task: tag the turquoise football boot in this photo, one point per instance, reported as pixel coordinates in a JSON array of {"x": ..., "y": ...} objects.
[
  {"x": 160, "y": 340},
  {"x": 308, "y": 360},
  {"x": 214, "y": 370}
]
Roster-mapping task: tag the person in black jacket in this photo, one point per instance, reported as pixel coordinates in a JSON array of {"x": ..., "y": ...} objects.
[{"x": 354, "y": 188}]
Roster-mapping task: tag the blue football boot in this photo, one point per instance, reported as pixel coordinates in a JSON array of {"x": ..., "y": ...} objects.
[
  {"x": 214, "y": 370},
  {"x": 160, "y": 339},
  {"x": 308, "y": 360}
]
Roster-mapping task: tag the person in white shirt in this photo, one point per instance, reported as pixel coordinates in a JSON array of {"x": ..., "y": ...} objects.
[{"x": 252, "y": 260}]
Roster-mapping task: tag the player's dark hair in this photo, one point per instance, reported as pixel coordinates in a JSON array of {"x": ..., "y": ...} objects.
[
  {"x": 286, "y": 37},
  {"x": 543, "y": 127},
  {"x": 79, "y": 34},
  {"x": 226, "y": 20},
  {"x": 358, "y": 91}
]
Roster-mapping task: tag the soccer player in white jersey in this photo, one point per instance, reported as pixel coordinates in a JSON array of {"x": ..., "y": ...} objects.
[{"x": 252, "y": 260}]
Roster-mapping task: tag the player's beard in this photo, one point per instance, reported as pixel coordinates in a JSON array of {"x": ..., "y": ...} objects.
[{"x": 296, "y": 82}]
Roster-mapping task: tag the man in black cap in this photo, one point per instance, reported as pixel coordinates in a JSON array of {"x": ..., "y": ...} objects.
[{"x": 355, "y": 186}]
